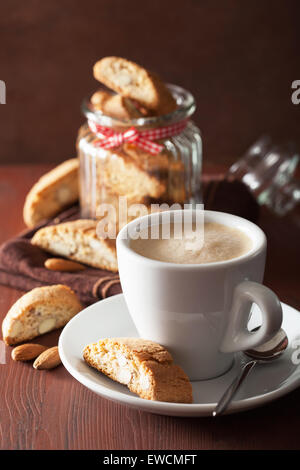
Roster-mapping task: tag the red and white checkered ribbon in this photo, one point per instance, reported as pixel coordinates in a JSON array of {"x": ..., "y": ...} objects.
[{"x": 108, "y": 138}]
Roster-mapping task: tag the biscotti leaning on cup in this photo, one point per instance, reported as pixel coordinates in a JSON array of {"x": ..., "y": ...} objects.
[
  {"x": 78, "y": 240},
  {"x": 39, "y": 311},
  {"x": 147, "y": 368},
  {"x": 53, "y": 192}
]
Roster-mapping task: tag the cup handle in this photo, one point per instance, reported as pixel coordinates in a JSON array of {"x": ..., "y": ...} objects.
[{"x": 237, "y": 337}]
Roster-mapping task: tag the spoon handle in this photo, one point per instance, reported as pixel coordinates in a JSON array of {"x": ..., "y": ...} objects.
[{"x": 233, "y": 388}]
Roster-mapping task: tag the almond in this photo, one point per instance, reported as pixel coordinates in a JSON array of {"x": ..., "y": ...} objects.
[
  {"x": 48, "y": 359},
  {"x": 60, "y": 264},
  {"x": 27, "y": 352}
]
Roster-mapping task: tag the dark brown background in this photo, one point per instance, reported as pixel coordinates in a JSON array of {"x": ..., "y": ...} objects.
[{"x": 239, "y": 59}]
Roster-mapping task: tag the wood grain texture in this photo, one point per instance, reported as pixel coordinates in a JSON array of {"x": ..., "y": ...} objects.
[
  {"x": 238, "y": 58},
  {"x": 50, "y": 410}
]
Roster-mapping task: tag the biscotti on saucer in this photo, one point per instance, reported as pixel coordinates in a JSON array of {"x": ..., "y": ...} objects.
[
  {"x": 133, "y": 81},
  {"x": 78, "y": 240},
  {"x": 146, "y": 368},
  {"x": 53, "y": 192},
  {"x": 39, "y": 311}
]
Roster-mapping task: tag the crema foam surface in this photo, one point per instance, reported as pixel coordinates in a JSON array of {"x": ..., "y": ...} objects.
[{"x": 220, "y": 243}]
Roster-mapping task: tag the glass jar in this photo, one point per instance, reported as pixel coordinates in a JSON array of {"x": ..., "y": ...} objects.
[
  {"x": 170, "y": 175},
  {"x": 267, "y": 169}
]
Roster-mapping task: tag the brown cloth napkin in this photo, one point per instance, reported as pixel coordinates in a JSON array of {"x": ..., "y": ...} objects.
[
  {"x": 22, "y": 264},
  {"x": 22, "y": 267}
]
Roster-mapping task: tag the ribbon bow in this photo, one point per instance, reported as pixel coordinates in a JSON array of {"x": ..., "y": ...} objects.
[{"x": 108, "y": 138}]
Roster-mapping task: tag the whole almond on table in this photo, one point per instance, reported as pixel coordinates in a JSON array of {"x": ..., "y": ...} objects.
[
  {"x": 48, "y": 359},
  {"x": 27, "y": 352},
  {"x": 59, "y": 264}
]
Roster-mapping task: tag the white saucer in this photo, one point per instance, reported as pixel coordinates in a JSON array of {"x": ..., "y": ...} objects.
[{"x": 110, "y": 318}]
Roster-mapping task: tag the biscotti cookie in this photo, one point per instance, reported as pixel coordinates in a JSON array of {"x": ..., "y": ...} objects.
[
  {"x": 133, "y": 81},
  {"x": 78, "y": 240},
  {"x": 176, "y": 191},
  {"x": 157, "y": 164},
  {"x": 53, "y": 192},
  {"x": 119, "y": 211},
  {"x": 163, "y": 166},
  {"x": 144, "y": 366},
  {"x": 41, "y": 310},
  {"x": 115, "y": 106},
  {"x": 125, "y": 174}
]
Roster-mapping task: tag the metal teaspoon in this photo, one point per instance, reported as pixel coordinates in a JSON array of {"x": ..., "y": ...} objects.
[{"x": 266, "y": 352}]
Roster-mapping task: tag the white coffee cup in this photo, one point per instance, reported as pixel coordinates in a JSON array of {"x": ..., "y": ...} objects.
[{"x": 199, "y": 312}]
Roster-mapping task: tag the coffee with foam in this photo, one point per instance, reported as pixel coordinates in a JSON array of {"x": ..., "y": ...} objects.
[{"x": 220, "y": 243}]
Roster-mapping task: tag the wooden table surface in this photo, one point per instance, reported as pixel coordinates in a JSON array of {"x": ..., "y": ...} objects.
[{"x": 51, "y": 410}]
